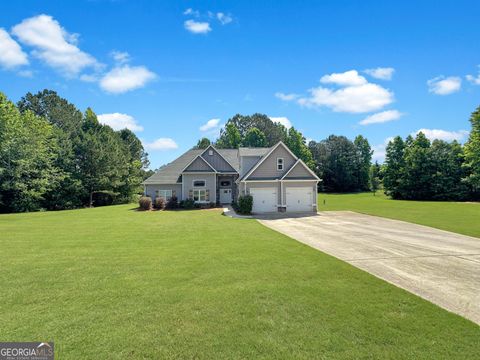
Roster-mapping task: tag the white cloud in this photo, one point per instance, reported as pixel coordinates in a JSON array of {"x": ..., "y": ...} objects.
[
  {"x": 125, "y": 78},
  {"x": 286, "y": 97},
  {"x": 381, "y": 73},
  {"x": 351, "y": 99},
  {"x": 11, "y": 54},
  {"x": 347, "y": 78},
  {"x": 197, "y": 27},
  {"x": 474, "y": 79},
  {"x": 120, "y": 57},
  {"x": 354, "y": 95},
  {"x": 379, "y": 150},
  {"x": 282, "y": 120},
  {"x": 438, "y": 134},
  {"x": 224, "y": 18},
  {"x": 190, "y": 11},
  {"x": 210, "y": 125},
  {"x": 118, "y": 121},
  {"x": 53, "y": 44},
  {"x": 381, "y": 117},
  {"x": 161, "y": 144},
  {"x": 444, "y": 85}
]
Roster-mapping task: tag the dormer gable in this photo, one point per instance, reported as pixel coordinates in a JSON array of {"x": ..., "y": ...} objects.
[{"x": 216, "y": 160}]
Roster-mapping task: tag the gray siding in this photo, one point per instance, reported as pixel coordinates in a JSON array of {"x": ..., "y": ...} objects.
[
  {"x": 313, "y": 184},
  {"x": 198, "y": 165},
  {"x": 150, "y": 189},
  {"x": 210, "y": 184},
  {"x": 299, "y": 172},
  {"x": 217, "y": 161},
  {"x": 246, "y": 163},
  {"x": 268, "y": 169}
]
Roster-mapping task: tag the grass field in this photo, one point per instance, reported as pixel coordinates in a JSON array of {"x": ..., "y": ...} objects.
[
  {"x": 462, "y": 218},
  {"x": 111, "y": 283}
]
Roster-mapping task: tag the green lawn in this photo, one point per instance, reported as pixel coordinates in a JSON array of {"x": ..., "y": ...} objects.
[
  {"x": 114, "y": 283},
  {"x": 462, "y": 218}
]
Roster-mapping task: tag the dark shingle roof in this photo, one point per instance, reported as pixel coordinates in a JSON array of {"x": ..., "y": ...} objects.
[
  {"x": 246, "y": 151},
  {"x": 170, "y": 173}
]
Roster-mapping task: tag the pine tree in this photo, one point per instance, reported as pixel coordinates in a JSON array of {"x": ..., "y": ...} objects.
[
  {"x": 472, "y": 155},
  {"x": 394, "y": 168}
]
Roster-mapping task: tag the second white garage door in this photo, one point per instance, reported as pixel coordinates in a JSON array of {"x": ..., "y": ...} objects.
[
  {"x": 264, "y": 200},
  {"x": 299, "y": 199}
]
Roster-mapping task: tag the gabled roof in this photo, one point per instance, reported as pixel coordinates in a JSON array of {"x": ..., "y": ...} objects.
[
  {"x": 264, "y": 157},
  {"x": 202, "y": 160},
  {"x": 225, "y": 167},
  {"x": 170, "y": 173},
  {"x": 248, "y": 151},
  {"x": 299, "y": 163}
]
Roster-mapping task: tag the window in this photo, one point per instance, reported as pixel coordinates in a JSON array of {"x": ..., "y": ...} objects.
[
  {"x": 198, "y": 183},
  {"x": 199, "y": 195},
  {"x": 279, "y": 164},
  {"x": 210, "y": 152},
  {"x": 165, "y": 194},
  {"x": 225, "y": 183}
]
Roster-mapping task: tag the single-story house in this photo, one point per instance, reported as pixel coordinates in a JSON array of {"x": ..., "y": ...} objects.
[{"x": 277, "y": 180}]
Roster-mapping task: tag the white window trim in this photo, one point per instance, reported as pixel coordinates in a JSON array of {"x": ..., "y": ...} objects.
[
  {"x": 282, "y": 164},
  {"x": 199, "y": 187},
  {"x": 166, "y": 191}
]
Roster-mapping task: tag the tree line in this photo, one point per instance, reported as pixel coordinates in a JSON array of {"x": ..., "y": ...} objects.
[
  {"x": 417, "y": 169},
  {"x": 54, "y": 157}
]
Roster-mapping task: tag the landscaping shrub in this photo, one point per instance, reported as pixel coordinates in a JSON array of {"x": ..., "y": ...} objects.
[
  {"x": 188, "y": 204},
  {"x": 145, "y": 203},
  {"x": 103, "y": 198},
  {"x": 172, "y": 203},
  {"x": 212, "y": 205},
  {"x": 159, "y": 203},
  {"x": 245, "y": 204}
]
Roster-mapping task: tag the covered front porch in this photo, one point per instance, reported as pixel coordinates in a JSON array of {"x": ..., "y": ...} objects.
[{"x": 226, "y": 188}]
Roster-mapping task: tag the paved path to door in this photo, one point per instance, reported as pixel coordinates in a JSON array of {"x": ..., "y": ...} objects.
[{"x": 439, "y": 266}]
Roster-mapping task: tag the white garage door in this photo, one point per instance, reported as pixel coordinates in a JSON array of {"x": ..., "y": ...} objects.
[
  {"x": 264, "y": 200},
  {"x": 299, "y": 199}
]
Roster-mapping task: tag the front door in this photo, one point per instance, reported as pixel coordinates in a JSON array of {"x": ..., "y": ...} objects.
[{"x": 226, "y": 196}]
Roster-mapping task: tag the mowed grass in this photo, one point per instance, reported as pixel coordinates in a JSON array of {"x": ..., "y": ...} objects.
[
  {"x": 462, "y": 218},
  {"x": 114, "y": 283}
]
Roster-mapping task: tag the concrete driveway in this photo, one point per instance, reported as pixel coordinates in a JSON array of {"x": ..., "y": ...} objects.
[{"x": 437, "y": 265}]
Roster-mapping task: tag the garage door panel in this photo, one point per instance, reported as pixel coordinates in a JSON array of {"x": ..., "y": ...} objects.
[
  {"x": 299, "y": 199},
  {"x": 264, "y": 199}
]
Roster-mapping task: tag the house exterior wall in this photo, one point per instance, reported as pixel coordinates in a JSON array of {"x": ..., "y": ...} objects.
[
  {"x": 210, "y": 184},
  {"x": 150, "y": 189},
  {"x": 217, "y": 161},
  {"x": 299, "y": 172},
  {"x": 290, "y": 184},
  {"x": 198, "y": 165},
  {"x": 268, "y": 169}
]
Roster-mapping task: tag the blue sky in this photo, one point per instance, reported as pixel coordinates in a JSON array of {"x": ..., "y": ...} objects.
[{"x": 176, "y": 71}]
